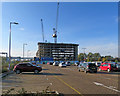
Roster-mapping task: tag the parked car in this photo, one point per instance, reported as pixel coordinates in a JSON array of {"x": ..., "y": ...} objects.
[
  {"x": 43, "y": 62},
  {"x": 117, "y": 67},
  {"x": 98, "y": 64},
  {"x": 76, "y": 63},
  {"x": 62, "y": 64},
  {"x": 26, "y": 67},
  {"x": 51, "y": 63},
  {"x": 67, "y": 63},
  {"x": 106, "y": 66},
  {"x": 56, "y": 63},
  {"x": 87, "y": 67}
]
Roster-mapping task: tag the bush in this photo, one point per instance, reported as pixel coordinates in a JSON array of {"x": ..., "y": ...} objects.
[{"x": 4, "y": 69}]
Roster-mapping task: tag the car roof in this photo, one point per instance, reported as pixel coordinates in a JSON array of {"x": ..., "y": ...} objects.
[{"x": 25, "y": 63}]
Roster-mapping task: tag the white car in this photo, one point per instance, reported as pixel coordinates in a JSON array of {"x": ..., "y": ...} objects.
[
  {"x": 67, "y": 63},
  {"x": 62, "y": 64},
  {"x": 56, "y": 63}
]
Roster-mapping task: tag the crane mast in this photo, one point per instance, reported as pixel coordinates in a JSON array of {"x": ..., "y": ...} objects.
[
  {"x": 55, "y": 29},
  {"x": 42, "y": 29}
]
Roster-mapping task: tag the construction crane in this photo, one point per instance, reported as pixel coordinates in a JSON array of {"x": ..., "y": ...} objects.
[
  {"x": 55, "y": 29},
  {"x": 42, "y": 29}
]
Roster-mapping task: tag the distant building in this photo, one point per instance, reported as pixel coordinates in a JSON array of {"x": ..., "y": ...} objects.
[{"x": 58, "y": 51}]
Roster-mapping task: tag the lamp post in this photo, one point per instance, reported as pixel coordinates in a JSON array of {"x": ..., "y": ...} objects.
[
  {"x": 23, "y": 49},
  {"x": 10, "y": 44},
  {"x": 84, "y": 53}
]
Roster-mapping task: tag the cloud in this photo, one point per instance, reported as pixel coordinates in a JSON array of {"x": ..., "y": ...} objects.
[
  {"x": 106, "y": 49},
  {"x": 22, "y": 29}
]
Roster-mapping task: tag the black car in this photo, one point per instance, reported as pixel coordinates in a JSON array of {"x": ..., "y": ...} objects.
[{"x": 87, "y": 67}]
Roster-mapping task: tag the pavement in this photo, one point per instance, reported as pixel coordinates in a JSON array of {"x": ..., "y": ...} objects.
[
  {"x": 5, "y": 74},
  {"x": 64, "y": 80}
]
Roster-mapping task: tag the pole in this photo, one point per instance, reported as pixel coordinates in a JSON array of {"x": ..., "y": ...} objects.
[
  {"x": 10, "y": 44},
  {"x": 42, "y": 29},
  {"x": 9, "y": 47}
]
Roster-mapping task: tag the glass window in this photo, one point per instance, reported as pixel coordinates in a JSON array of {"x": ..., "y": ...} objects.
[
  {"x": 23, "y": 65},
  {"x": 105, "y": 65}
]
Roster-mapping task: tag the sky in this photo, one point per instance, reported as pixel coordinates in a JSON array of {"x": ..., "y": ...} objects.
[{"x": 92, "y": 25}]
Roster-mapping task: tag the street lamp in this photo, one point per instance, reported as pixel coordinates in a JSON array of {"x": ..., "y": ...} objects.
[
  {"x": 10, "y": 44},
  {"x": 84, "y": 53},
  {"x": 23, "y": 49}
]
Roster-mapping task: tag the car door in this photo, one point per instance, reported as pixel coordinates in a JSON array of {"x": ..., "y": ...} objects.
[
  {"x": 23, "y": 67},
  {"x": 30, "y": 67}
]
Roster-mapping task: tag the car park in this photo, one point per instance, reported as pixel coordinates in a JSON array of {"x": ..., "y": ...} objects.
[
  {"x": 87, "y": 67},
  {"x": 67, "y": 63},
  {"x": 56, "y": 63},
  {"x": 76, "y": 63},
  {"x": 62, "y": 64},
  {"x": 26, "y": 67},
  {"x": 43, "y": 62},
  {"x": 51, "y": 63},
  {"x": 107, "y": 66},
  {"x": 33, "y": 62},
  {"x": 98, "y": 64},
  {"x": 117, "y": 67}
]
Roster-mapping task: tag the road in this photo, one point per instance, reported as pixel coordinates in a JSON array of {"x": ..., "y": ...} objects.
[{"x": 64, "y": 80}]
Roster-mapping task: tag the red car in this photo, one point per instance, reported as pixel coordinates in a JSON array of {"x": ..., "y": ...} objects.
[
  {"x": 107, "y": 67},
  {"x": 26, "y": 67}
]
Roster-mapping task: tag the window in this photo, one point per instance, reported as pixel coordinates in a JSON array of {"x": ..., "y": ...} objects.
[
  {"x": 105, "y": 65},
  {"x": 28, "y": 64},
  {"x": 23, "y": 65}
]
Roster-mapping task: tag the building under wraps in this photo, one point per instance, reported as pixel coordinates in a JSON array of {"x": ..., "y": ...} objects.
[{"x": 57, "y": 51}]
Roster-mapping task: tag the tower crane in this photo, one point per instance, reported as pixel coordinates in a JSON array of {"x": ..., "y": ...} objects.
[
  {"x": 42, "y": 29},
  {"x": 55, "y": 29}
]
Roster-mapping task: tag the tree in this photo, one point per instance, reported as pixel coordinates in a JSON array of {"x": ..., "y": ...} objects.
[
  {"x": 88, "y": 59},
  {"x": 99, "y": 59},
  {"x": 116, "y": 60},
  {"x": 96, "y": 56},
  {"x": 81, "y": 56},
  {"x": 90, "y": 56},
  {"x": 104, "y": 59}
]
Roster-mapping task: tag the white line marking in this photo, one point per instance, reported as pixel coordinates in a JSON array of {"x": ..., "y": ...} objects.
[
  {"x": 110, "y": 87},
  {"x": 50, "y": 83}
]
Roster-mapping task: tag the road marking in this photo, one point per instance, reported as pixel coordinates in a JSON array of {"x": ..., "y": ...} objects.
[
  {"x": 68, "y": 85},
  {"x": 50, "y": 83},
  {"x": 110, "y": 87}
]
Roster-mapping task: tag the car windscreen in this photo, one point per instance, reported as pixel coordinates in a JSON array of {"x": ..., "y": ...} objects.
[{"x": 92, "y": 65}]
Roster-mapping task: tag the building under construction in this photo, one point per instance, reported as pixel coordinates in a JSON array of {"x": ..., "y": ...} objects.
[{"x": 58, "y": 51}]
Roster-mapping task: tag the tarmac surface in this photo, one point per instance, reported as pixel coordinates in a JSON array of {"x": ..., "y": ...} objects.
[{"x": 64, "y": 80}]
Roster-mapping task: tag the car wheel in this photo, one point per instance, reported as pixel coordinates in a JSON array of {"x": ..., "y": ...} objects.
[
  {"x": 108, "y": 70},
  {"x": 36, "y": 71},
  {"x": 17, "y": 71}
]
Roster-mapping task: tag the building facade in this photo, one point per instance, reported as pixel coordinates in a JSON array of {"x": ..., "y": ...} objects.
[{"x": 58, "y": 51}]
